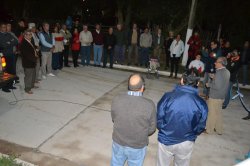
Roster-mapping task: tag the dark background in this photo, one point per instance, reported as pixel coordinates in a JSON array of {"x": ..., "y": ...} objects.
[{"x": 233, "y": 15}]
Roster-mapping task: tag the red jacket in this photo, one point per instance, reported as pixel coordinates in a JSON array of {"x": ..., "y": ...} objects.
[
  {"x": 194, "y": 45},
  {"x": 75, "y": 43}
]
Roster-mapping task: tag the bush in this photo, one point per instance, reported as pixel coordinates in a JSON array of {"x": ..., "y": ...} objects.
[{"x": 8, "y": 161}]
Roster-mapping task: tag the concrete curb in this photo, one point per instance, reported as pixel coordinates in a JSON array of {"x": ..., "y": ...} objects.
[
  {"x": 144, "y": 70},
  {"x": 19, "y": 161}
]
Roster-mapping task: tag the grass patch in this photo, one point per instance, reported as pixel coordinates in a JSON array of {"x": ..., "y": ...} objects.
[{"x": 8, "y": 161}]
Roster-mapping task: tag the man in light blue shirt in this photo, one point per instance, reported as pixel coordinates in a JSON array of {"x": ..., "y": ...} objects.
[{"x": 47, "y": 47}]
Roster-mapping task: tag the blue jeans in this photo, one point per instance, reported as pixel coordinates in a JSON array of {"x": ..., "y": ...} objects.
[
  {"x": 228, "y": 95},
  {"x": 55, "y": 60},
  {"x": 134, "y": 157},
  {"x": 98, "y": 49},
  {"x": 85, "y": 54}
]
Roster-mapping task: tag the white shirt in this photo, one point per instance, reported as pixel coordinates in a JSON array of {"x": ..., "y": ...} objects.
[
  {"x": 177, "y": 48},
  {"x": 86, "y": 38},
  {"x": 199, "y": 65}
]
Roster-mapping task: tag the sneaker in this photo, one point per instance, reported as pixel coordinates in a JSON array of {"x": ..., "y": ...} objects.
[
  {"x": 44, "y": 77},
  {"x": 51, "y": 74}
]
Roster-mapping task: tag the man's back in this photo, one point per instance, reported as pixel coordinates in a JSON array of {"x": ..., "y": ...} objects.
[
  {"x": 134, "y": 120},
  {"x": 181, "y": 115}
]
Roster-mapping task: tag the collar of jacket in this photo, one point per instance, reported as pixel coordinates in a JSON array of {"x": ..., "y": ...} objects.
[{"x": 186, "y": 88}]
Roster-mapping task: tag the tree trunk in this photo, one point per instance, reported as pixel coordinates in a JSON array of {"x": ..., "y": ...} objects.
[
  {"x": 119, "y": 11},
  {"x": 128, "y": 16}
]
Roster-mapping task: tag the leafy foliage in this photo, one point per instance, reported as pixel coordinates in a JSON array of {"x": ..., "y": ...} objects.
[{"x": 8, "y": 161}]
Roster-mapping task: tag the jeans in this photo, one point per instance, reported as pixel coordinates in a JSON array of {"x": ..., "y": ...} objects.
[
  {"x": 108, "y": 53},
  {"x": 144, "y": 60},
  {"x": 134, "y": 157},
  {"x": 85, "y": 54},
  {"x": 98, "y": 49},
  {"x": 229, "y": 94},
  {"x": 55, "y": 60}
]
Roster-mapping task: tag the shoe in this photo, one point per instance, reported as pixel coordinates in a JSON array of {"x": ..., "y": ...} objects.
[
  {"x": 51, "y": 74},
  {"x": 224, "y": 106},
  {"x": 247, "y": 117},
  {"x": 103, "y": 66},
  {"x": 175, "y": 77},
  {"x": 12, "y": 87},
  {"x": 128, "y": 64},
  {"x": 111, "y": 67},
  {"x": 171, "y": 75},
  {"x": 17, "y": 81},
  {"x": 6, "y": 90},
  {"x": 29, "y": 92},
  {"x": 44, "y": 77},
  {"x": 67, "y": 65}
]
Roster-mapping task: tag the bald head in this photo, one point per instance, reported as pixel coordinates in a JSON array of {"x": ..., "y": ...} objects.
[{"x": 135, "y": 82}]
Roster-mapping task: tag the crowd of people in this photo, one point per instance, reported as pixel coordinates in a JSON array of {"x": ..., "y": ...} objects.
[
  {"x": 54, "y": 43},
  {"x": 47, "y": 48}
]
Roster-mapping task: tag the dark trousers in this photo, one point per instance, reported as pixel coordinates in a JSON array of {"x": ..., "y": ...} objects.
[
  {"x": 29, "y": 78},
  {"x": 119, "y": 53},
  {"x": 56, "y": 60},
  {"x": 144, "y": 56},
  {"x": 174, "y": 65},
  {"x": 66, "y": 55},
  {"x": 75, "y": 55},
  {"x": 108, "y": 53},
  {"x": 167, "y": 57}
]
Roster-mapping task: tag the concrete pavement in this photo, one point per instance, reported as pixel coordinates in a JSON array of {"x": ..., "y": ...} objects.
[{"x": 75, "y": 125}]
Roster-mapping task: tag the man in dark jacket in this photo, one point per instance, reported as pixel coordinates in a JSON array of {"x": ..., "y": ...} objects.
[
  {"x": 29, "y": 57},
  {"x": 181, "y": 117},
  {"x": 7, "y": 44},
  {"x": 120, "y": 45},
  {"x": 109, "y": 43}
]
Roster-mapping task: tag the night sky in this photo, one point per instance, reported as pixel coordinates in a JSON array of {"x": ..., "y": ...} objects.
[{"x": 234, "y": 15}]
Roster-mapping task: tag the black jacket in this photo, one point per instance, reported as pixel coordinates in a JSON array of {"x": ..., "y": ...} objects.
[
  {"x": 233, "y": 66},
  {"x": 28, "y": 54},
  {"x": 109, "y": 40},
  {"x": 7, "y": 42}
]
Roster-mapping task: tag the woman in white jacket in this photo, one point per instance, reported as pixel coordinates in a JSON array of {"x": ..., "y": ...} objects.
[{"x": 176, "y": 50}]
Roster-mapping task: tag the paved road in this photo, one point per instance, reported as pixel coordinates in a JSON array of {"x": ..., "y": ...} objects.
[{"x": 68, "y": 118}]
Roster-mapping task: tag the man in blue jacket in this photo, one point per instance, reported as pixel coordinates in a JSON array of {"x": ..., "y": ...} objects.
[{"x": 181, "y": 117}]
